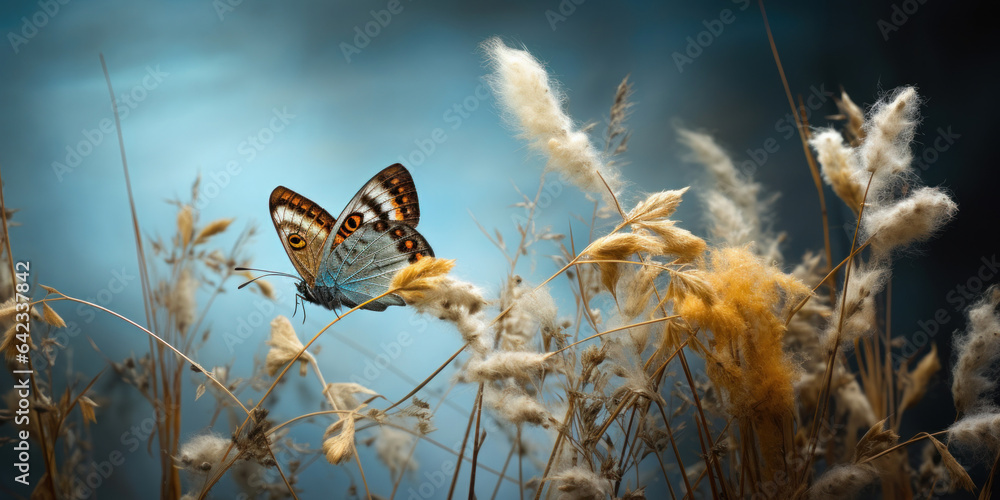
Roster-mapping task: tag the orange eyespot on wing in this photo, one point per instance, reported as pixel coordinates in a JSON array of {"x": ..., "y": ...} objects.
[
  {"x": 351, "y": 223},
  {"x": 296, "y": 242}
]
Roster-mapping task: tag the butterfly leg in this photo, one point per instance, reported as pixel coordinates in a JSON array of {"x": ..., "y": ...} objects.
[{"x": 299, "y": 297}]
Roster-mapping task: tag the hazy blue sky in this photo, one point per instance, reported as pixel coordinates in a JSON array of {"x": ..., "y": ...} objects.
[{"x": 253, "y": 94}]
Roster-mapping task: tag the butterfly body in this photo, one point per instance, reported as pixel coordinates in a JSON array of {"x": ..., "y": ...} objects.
[{"x": 351, "y": 259}]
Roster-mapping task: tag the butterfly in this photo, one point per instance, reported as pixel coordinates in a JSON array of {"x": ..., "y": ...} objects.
[{"x": 351, "y": 259}]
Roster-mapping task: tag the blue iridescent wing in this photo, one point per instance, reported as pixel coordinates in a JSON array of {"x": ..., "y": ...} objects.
[{"x": 362, "y": 266}]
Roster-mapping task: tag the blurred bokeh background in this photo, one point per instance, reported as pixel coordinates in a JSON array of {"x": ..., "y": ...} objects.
[{"x": 251, "y": 94}]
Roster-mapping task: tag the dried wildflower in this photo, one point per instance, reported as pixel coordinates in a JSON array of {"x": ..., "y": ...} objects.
[
  {"x": 339, "y": 448},
  {"x": 839, "y": 166},
  {"x": 285, "y": 346},
  {"x": 202, "y": 453},
  {"x": 393, "y": 448},
  {"x": 213, "y": 228},
  {"x": 978, "y": 352},
  {"x": 534, "y": 104},
  {"x": 911, "y": 219},
  {"x": 342, "y": 395}
]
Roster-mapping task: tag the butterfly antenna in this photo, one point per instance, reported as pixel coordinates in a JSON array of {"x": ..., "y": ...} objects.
[{"x": 266, "y": 273}]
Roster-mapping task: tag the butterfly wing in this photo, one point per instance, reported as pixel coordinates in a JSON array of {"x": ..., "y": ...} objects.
[
  {"x": 363, "y": 265},
  {"x": 390, "y": 197},
  {"x": 303, "y": 227}
]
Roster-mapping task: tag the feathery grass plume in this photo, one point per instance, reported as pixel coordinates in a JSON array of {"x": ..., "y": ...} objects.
[
  {"x": 339, "y": 448},
  {"x": 736, "y": 213},
  {"x": 202, "y": 453},
  {"x": 852, "y": 404},
  {"x": 977, "y": 431},
  {"x": 181, "y": 302},
  {"x": 450, "y": 300},
  {"x": 533, "y": 103},
  {"x": 915, "y": 381},
  {"x": 656, "y": 206},
  {"x": 866, "y": 281},
  {"x": 185, "y": 225},
  {"x": 885, "y": 152},
  {"x": 619, "y": 246},
  {"x": 285, "y": 346},
  {"x": 581, "y": 483},
  {"x": 521, "y": 365},
  {"x": 393, "y": 448},
  {"x": 213, "y": 228},
  {"x": 978, "y": 351},
  {"x": 747, "y": 360},
  {"x": 846, "y": 481},
  {"x": 639, "y": 287},
  {"x": 617, "y": 134},
  {"x": 843, "y": 481},
  {"x": 529, "y": 312},
  {"x": 51, "y": 317},
  {"x": 914, "y": 218},
  {"x": 423, "y": 275},
  {"x": 510, "y": 403},
  {"x": 839, "y": 166},
  {"x": 854, "y": 129}
]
